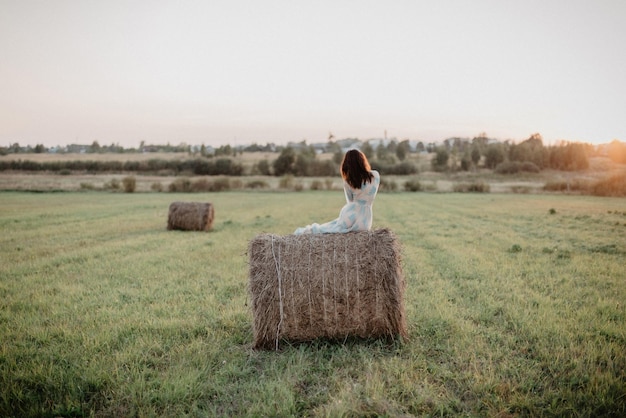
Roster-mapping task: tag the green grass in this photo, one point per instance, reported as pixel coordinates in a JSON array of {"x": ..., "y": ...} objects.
[{"x": 515, "y": 307}]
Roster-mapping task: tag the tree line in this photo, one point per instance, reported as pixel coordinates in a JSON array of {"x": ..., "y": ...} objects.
[
  {"x": 196, "y": 166},
  {"x": 507, "y": 158},
  {"x": 392, "y": 157}
]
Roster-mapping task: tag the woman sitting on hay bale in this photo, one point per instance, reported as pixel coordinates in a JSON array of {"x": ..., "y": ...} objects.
[{"x": 360, "y": 184}]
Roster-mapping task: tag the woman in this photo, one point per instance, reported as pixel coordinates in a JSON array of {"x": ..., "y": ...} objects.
[{"x": 360, "y": 184}]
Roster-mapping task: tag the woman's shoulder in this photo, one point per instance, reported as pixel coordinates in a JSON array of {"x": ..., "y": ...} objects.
[{"x": 375, "y": 173}]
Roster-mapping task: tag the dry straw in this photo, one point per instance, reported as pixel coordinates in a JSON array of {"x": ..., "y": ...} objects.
[
  {"x": 190, "y": 216},
  {"x": 331, "y": 286}
]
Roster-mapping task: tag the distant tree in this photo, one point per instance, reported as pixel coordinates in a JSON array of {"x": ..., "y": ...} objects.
[
  {"x": 617, "y": 151},
  {"x": 530, "y": 150},
  {"x": 569, "y": 157},
  {"x": 494, "y": 155},
  {"x": 113, "y": 148},
  {"x": 367, "y": 149},
  {"x": 224, "y": 150},
  {"x": 263, "y": 167},
  {"x": 39, "y": 149},
  {"x": 285, "y": 162},
  {"x": 382, "y": 152},
  {"x": 305, "y": 161},
  {"x": 338, "y": 157},
  {"x": 324, "y": 168},
  {"x": 95, "y": 147},
  {"x": 475, "y": 155},
  {"x": 254, "y": 147},
  {"x": 303, "y": 164},
  {"x": 440, "y": 162},
  {"x": 226, "y": 166},
  {"x": 480, "y": 142},
  {"x": 403, "y": 149},
  {"x": 460, "y": 145},
  {"x": 401, "y": 153},
  {"x": 466, "y": 162},
  {"x": 307, "y": 150}
]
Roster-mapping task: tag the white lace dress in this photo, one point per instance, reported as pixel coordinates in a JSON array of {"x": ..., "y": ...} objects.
[{"x": 356, "y": 215}]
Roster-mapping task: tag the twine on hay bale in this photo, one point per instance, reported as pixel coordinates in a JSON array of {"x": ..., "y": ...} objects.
[
  {"x": 190, "y": 216},
  {"x": 334, "y": 286}
]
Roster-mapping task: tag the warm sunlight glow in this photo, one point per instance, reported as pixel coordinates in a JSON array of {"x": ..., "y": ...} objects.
[{"x": 617, "y": 151}]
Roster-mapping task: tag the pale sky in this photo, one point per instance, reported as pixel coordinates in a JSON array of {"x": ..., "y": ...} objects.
[{"x": 238, "y": 72}]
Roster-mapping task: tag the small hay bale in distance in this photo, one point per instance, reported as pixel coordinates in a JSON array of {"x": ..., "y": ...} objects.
[
  {"x": 332, "y": 286},
  {"x": 190, "y": 216}
]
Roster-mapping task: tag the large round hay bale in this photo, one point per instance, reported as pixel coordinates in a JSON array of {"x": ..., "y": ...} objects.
[
  {"x": 190, "y": 216},
  {"x": 334, "y": 286}
]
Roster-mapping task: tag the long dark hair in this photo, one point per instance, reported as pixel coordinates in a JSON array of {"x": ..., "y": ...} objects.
[{"x": 355, "y": 169}]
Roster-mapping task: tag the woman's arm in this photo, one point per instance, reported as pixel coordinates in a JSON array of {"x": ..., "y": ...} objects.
[{"x": 348, "y": 192}]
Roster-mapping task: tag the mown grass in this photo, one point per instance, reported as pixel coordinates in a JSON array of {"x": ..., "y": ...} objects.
[{"x": 515, "y": 306}]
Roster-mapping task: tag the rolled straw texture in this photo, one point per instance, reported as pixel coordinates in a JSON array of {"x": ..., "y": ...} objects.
[
  {"x": 333, "y": 286},
  {"x": 190, "y": 216}
]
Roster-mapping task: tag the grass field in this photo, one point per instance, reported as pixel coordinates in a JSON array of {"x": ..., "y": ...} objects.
[{"x": 515, "y": 307}]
